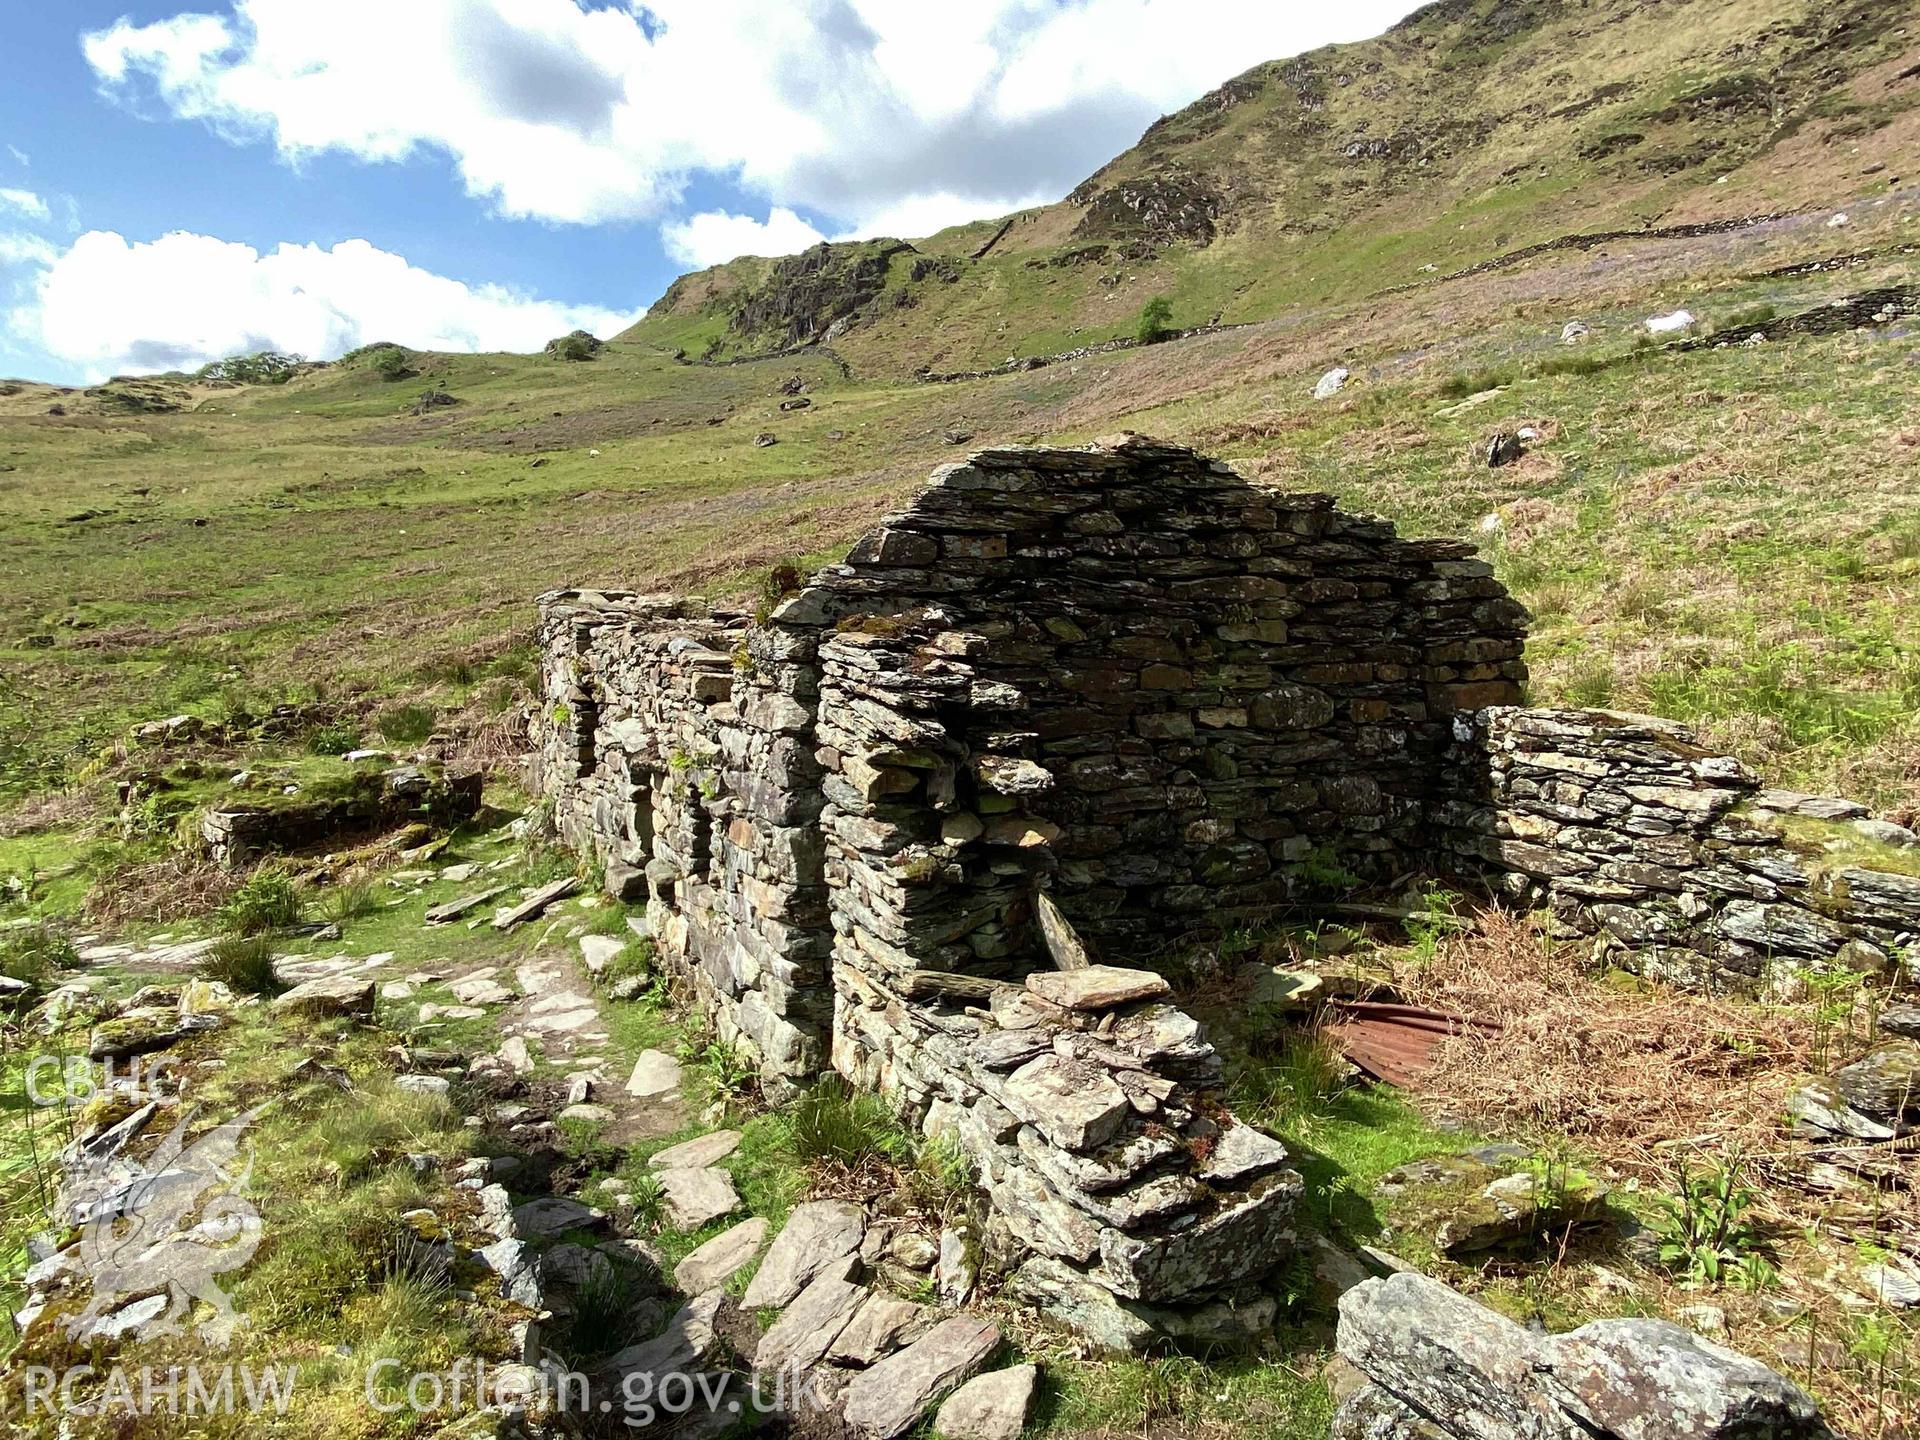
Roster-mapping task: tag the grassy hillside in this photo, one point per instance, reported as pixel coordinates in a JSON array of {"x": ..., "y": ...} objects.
[
  {"x": 1473, "y": 128},
  {"x": 1748, "y": 557}
]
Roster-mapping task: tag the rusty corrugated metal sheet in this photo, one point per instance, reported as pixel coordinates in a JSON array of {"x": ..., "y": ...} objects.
[{"x": 1395, "y": 1043}]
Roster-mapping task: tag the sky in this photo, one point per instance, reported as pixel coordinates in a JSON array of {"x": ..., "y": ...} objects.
[{"x": 178, "y": 185}]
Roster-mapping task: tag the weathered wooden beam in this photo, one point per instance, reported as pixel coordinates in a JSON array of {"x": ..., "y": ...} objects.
[{"x": 942, "y": 985}]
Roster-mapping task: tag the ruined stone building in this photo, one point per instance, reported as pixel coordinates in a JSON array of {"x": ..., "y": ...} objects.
[{"x": 1120, "y": 697}]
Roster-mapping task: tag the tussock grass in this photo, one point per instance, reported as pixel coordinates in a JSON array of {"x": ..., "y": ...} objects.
[
  {"x": 266, "y": 900},
  {"x": 834, "y": 1124},
  {"x": 244, "y": 964},
  {"x": 32, "y": 953},
  {"x": 348, "y": 900}
]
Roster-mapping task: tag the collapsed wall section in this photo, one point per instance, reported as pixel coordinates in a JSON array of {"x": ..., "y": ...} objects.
[{"x": 1677, "y": 860}]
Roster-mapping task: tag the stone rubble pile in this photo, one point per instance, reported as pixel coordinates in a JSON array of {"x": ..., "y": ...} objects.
[{"x": 1091, "y": 1112}]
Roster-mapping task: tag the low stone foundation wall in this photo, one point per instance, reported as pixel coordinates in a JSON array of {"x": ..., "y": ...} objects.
[
  {"x": 1673, "y": 857},
  {"x": 370, "y": 801}
]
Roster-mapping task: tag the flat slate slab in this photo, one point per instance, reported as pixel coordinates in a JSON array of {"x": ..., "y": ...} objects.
[
  {"x": 800, "y": 1339},
  {"x": 695, "y": 1197},
  {"x": 697, "y": 1153},
  {"x": 537, "y": 902},
  {"x": 454, "y": 909},
  {"x": 819, "y": 1234},
  {"x": 554, "y": 1215},
  {"x": 721, "y": 1258},
  {"x": 600, "y": 951},
  {"x": 480, "y": 988},
  {"x": 883, "y": 1325},
  {"x": 1097, "y": 987},
  {"x": 989, "y": 1407},
  {"x": 889, "y": 1399},
  {"x": 655, "y": 1074}
]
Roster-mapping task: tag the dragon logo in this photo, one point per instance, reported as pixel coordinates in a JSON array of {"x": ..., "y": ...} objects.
[{"x": 167, "y": 1232}]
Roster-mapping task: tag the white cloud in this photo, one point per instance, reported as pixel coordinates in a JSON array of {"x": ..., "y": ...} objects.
[
  {"x": 20, "y": 157},
  {"x": 916, "y": 216},
  {"x": 23, "y": 202},
  {"x": 19, "y": 248},
  {"x": 714, "y": 236},
  {"x": 850, "y": 109},
  {"x": 109, "y": 307}
]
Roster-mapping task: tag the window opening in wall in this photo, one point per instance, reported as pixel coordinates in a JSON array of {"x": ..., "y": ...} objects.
[{"x": 702, "y": 837}]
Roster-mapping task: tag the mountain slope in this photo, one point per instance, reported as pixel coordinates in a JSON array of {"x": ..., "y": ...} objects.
[{"x": 1472, "y": 128}]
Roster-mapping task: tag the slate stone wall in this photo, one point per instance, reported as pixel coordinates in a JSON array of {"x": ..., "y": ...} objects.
[
  {"x": 1677, "y": 860},
  {"x": 676, "y": 746},
  {"x": 1158, "y": 683}
]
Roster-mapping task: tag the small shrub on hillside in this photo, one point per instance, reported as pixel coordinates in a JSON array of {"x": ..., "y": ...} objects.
[
  {"x": 1156, "y": 321},
  {"x": 30, "y": 953},
  {"x": 266, "y": 901},
  {"x": 390, "y": 362},
  {"x": 267, "y": 367},
  {"x": 244, "y": 964},
  {"x": 404, "y": 724},
  {"x": 577, "y": 345},
  {"x": 333, "y": 739}
]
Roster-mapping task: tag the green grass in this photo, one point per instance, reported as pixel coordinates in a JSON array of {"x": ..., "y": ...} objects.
[
  {"x": 267, "y": 901},
  {"x": 244, "y": 964}
]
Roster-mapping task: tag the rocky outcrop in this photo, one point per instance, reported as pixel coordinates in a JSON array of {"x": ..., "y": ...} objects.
[
  {"x": 1176, "y": 205},
  {"x": 804, "y": 296},
  {"x": 1438, "y": 1366}
]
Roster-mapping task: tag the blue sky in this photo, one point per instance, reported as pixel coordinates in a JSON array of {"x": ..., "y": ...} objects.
[{"x": 178, "y": 183}]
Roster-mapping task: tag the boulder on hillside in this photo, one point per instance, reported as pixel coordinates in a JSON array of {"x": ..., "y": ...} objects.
[
  {"x": 1439, "y": 1366},
  {"x": 329, "y": 996},
  {"x": 574, "y": 345}
]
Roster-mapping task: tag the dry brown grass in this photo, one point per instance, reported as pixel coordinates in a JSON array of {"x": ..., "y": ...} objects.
[
  {"x": 48, "y": 811},
  {"x": 1652, "y": 1081},
  {"x": 180, "y": 887},
  {"x": 1627, "y": 1071}
]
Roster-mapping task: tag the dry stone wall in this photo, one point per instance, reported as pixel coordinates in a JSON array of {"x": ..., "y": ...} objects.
[
  {"x": 1676, "y": 859},
  {"x": 1166, "y": 685},
  {"x": 1083, "y": 705},
  {"x": 676, "y": 747}
]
